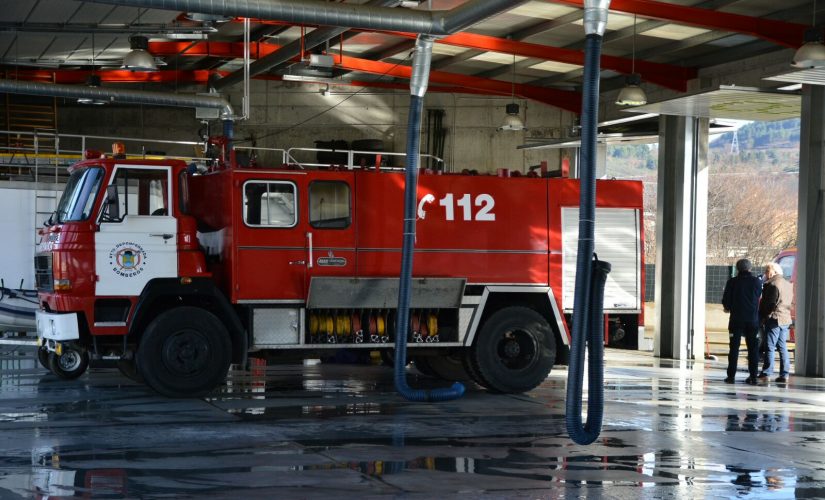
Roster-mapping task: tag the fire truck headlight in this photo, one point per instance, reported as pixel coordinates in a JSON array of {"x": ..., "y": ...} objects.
[{"x": 62, "y": 285}]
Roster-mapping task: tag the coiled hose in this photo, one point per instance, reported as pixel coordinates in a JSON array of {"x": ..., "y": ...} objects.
[
  {"x": 405, "y": 282},
  {"x": 591, "y": 273}
]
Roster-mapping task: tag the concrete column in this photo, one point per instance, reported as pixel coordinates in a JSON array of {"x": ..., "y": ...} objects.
[
  {"x": 810, "y": 271},
  {"x": 681, "y": 234}
]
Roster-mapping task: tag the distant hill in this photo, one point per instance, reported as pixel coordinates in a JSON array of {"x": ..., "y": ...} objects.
[
  {"x": 763, "y": 147},
  {"x": 762, "y": 135}
]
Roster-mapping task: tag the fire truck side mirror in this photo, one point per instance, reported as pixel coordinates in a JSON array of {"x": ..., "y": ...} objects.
[{"x": 112, "y": 209}]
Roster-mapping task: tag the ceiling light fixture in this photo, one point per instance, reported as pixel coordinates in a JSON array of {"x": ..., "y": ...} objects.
[
  {"x": 139, "y": 59},
  {"x": 93, "y": 81},
  {"x": 512, "y": 121},
  {"x": 812, "y": 53},
  {"x": 632, "y": 94}
]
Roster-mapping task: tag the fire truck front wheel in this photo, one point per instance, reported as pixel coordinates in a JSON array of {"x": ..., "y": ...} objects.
[
  {"x": 69, "y": 365},
  {"x": 43, "y": 357},
  {"x": 184, "y": 352},
  {"x": 514, "y": 351}
]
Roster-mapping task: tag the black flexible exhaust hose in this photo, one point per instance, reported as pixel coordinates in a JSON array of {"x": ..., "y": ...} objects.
[
  {"x": 591, "y": 273},
  {"x": 405, "y": 282}
]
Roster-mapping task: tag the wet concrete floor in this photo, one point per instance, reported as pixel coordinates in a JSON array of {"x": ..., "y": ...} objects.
[{"x": 671, "y": 430}]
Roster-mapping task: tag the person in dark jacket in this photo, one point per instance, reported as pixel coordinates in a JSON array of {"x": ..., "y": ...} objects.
[
  {"x": 775, "y": 315},
  {"x": 741, "y": 300}
]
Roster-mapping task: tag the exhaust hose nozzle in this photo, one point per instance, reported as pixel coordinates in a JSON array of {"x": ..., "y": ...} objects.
[
  {"x": 421, "y": 65},
  {"x": 595, "y": 16}
]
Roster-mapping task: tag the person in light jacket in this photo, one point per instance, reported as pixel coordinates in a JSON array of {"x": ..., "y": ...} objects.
[
  {"x": 775, "y": 316},
  {"x": 741, "y": 300}
]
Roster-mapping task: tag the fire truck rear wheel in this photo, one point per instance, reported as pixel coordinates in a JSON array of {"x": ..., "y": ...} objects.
[
  {"x": 184, "y": 352},
  {"x": 470, "y": 368},
  {"x": 71, "y": 364},
  {"x": 128, "y": 368},
  {"x": 422, "y": 364},
  {"x": 514, "y": 351},
  {"x": 449, "y": 366}
]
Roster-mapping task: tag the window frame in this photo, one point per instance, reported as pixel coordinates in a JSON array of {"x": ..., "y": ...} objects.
[
  {"x": 91, "y": 195},
  {"x": 183, "y": 192},
  {"x": 296, "y": 193},
  {"x": 171, "y": 209},
  {"x": 349, "y": 203}
]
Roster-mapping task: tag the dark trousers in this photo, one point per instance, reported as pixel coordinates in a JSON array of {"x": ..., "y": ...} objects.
[{"x": 752, "y": 341}]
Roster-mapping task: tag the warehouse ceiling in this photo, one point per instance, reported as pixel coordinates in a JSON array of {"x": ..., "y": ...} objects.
[{"x": 537, "y": 44}]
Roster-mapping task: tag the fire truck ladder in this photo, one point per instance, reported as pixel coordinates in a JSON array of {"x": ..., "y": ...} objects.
[{"x": 45, "y": 200}]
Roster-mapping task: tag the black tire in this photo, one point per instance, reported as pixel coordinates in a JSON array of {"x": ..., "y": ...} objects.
[
  {"x": 422, "y": 364},
  {"x": 514, "y": 351},
  {"x": 449, "y": 366},
  {"x": 128, "y": 368},
  {"x": 69, "y": 365},
  {"x": 184, "y": 352},
  {"x": 472, "y": 371},
  {"x": 43, "y": 357}
]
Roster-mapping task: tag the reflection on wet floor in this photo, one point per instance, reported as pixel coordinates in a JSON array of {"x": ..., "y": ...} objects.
[{"x": 672, "y": 430}]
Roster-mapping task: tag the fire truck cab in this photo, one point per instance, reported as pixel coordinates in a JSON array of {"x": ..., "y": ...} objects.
[{"x": 177, "y": 273}]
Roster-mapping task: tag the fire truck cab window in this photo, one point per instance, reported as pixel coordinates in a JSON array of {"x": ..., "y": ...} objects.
[
  {"x": 270, "y": 204},
  {"x": 142, "y": 191},
  {"x": 329, "y": 205}
]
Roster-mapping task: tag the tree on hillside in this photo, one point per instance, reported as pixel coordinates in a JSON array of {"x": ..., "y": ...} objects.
[{"x": 753, "y": 218}]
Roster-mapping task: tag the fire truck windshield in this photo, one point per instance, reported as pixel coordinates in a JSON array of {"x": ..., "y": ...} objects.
[{"x": 79, "y": 196}]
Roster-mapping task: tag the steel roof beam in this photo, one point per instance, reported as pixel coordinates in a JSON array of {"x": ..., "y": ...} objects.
[
  {"x": 666, "y": 75},
  {"x": 535, "y": 29},
  {"x": 779, "y": 32}
]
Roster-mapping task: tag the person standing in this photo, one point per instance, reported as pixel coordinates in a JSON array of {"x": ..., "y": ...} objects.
[
  {"x": 775, "y": 315},
  {"x": 741, "y": 300}
]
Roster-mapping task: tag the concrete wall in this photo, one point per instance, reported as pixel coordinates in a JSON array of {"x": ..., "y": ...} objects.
[{"x": 287, "y": 114}]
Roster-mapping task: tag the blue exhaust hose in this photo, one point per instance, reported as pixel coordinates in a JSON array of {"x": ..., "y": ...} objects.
[
  {"x": 418, "y": 87},
  {"x": 591, "y": 273},
  {"x": 229, "y": 133}
]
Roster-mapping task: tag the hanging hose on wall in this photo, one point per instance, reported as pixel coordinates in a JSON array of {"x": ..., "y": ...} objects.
[
  {"x": 591, "y": 273},
  {"x": 418, "y": 87}
]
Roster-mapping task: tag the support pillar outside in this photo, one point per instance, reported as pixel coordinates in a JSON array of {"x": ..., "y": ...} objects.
[
  {"x": 681, "y": 237},
  {"x": 810, "y": 272}
]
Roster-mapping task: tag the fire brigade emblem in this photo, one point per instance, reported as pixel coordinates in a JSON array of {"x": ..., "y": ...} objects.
[{"x": 127, "y": 259}]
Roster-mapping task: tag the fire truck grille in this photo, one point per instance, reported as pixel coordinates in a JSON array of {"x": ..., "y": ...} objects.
[{"x": 43, "y": 272}]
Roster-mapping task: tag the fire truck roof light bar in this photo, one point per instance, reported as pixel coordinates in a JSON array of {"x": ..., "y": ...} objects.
[{"x": 125, "y": 96}]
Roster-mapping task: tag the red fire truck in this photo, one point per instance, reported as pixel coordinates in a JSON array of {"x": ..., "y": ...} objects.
[{"x": 177, "y": 274}]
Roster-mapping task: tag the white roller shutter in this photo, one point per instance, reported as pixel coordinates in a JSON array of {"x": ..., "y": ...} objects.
[{"x": 618, "y": 241}]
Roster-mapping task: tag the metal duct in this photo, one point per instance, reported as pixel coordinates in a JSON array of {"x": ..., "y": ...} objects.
[
  {"x": 124, "y": 96},
  {"x": 337, "y": 14},
  {"x": 293, "y": 49}
]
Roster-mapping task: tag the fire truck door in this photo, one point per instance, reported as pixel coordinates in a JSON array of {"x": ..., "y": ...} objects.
[
  {"x": 137, "y": 240},
  {"x": 272, "y": 241},
  {"x": 331, "y": 230}
]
